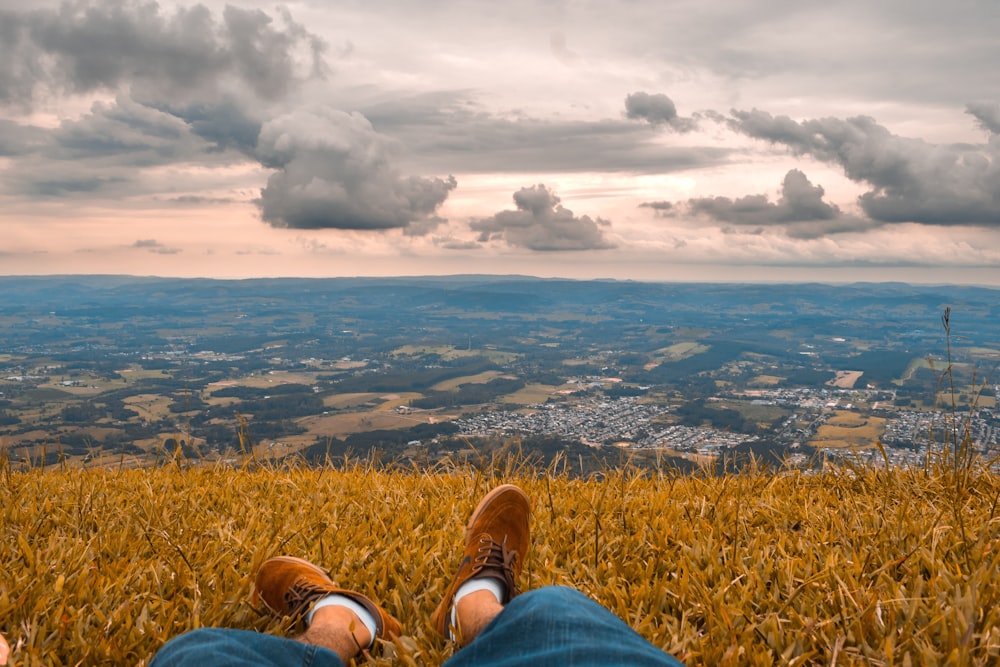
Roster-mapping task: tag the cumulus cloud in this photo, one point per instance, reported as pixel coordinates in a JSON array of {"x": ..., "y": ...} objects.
[
  {"x": 800, "y": 210},
  {"x": 189, "y": 87},
  {"x": 85, "y": 46},
  {"x": 334, "y": 171},
  {"x": 987, "y": 115},
  {"x": 657, "y": 110},
  {"x": 911, "y": 180},
  {"x": 541, "y": 223}
]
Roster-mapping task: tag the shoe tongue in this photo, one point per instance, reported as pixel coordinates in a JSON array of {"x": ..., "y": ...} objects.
[
  {"x": 499, "y": 565},
  {"x": 300, "y": 596}
]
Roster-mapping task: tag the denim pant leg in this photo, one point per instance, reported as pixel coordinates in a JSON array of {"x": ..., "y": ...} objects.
[
  {"x": 558, "y": 626},
  {"x": 240, "y": 648}
]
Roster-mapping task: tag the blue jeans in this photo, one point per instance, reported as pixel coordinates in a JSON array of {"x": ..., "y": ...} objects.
[{"x": 548, "y": 626}]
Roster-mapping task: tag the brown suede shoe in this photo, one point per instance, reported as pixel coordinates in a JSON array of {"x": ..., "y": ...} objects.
[
  {"x": 288, "y": 586},
  {"x": 496, "y": 543}
]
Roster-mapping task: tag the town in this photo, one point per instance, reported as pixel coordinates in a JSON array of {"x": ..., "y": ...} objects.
[{"x": 300, "y": 367}]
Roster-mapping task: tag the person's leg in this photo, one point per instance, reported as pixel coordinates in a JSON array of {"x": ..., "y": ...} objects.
[
  {"x": 340, "y": 624},
  {"x": 343, "y": 621},
  {"x": 558, "y": 626},
  {"x": 497, "y": 538},
  {"x": 551, "y": 626},
  {"x": 224, "y": 647}
]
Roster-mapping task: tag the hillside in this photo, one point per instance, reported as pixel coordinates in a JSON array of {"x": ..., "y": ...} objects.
[{"x": 847, "y": 567}]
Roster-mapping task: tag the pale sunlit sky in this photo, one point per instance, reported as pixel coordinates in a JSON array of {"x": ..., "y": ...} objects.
[{"x": 743, "y": 140}]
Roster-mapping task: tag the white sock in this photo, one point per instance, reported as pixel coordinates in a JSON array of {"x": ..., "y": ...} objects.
[
  {"x": 338, "y": 600},
  {"x": 490, "y": 584}
]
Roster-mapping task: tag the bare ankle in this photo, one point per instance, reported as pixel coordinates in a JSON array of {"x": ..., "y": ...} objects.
[
  {"x": 339, "y": 630},
  {"x": 474, "y": 612}
]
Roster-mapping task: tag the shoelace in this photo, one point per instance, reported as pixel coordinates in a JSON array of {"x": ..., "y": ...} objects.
[
  {"x": 301, "y": 593},
  {"x": 492, "y": 555}
]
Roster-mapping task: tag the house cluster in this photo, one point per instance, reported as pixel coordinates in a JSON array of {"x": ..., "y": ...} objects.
[
  {"x": 597, "y": 421},
  {"x": 593, "y": 421},
  {"x": 930, "y": 429}
]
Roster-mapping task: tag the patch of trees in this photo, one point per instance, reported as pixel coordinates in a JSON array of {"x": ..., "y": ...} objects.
[
  {"x": 621, "y": 391},
  {"x": 880, "y": 367},
  {"x": 271, "y": 430},
  {"x": 85, "y": 412},
  {"x": 759, "y": 453},
  {"x": 631, "y": 359},
  {"x": 287, "y": 406},
  {"x": 697, "y": 413},
  {"x": 416, "y": 379},
  {"x": 246, "y": 393},
  {"x": 421, "y": 432},
  {"x": 221, "y": 436},
  {"x": 808, "y": 377},
  {"x": 719, "y": 354},
  {"x": 156, "y": 364},
  {"x": 389, "y": 443},
  {"x": 236, "y": 343},
  {"x": 171, "y": 446},
  {"x": 186, "y": 402}
]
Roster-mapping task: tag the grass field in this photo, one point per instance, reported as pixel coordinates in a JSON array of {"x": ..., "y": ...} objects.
[
  {"x": 530, "y": 394},
  {"x": 342, "y": 425},
  {"x": 847, "y": 568},
  {"x": 479, "y": 378},
  {"x": 845, "y": 429},
  {"x": 675, "y": 352}
]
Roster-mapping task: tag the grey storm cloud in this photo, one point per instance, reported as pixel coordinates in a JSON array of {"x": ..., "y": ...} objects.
[
  {"x": 911, "y": 180},
  {"x": 189, "y": 85},
  {"x": 661, "y": 208},
  {"x": 987, "y": 115},
  {"x": 334, "y": 171},
  {"x": 82, "y": 47},
  {"x": 657, "y": 110},
  {"x": 541, "y": 223},
  {"x": 448, "y": 129},
  {"x": 99, "y": 152},
  {"x": 224, "y": 123},
  {"x": 800, "y": 210},
  {"x": 137, "y": 135},
  {"x": 17, "y": 139}
]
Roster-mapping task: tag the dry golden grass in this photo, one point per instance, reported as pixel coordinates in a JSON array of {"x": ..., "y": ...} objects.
[{"x": 849, "y": 567}]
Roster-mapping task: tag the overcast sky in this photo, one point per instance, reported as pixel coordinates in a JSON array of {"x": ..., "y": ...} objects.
[{"x": 756, "y": 140}]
